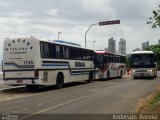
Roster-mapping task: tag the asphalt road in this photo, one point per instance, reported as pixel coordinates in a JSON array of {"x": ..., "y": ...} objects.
[{"x": 98, "y": 97}]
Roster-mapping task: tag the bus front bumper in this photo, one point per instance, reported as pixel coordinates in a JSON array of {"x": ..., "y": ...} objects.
[{"x": 144, "y": 74}]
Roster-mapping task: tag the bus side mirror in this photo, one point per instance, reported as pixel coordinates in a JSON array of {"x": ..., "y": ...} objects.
[
  {"x": 129, "y": 59},
  {"x": 154, "y": 65}
]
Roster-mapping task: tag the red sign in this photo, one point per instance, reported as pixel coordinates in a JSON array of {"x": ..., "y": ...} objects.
[{"x": 109, "y": 22}]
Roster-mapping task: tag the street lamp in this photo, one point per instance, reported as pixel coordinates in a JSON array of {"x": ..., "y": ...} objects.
[
  {"x": 93, "y": 45},
  {"x": 58, "y": 34},
  {"x": 87, "y": 32},
  {"x": 101, "y": 24}
]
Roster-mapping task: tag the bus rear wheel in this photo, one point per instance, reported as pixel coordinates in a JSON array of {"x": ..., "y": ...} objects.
[
  {"x": 121, "y": 74},
  {"x": 108, "y": 75},
  {"x": 32, "y": 87},
  {"x": 59, "y": 81}
]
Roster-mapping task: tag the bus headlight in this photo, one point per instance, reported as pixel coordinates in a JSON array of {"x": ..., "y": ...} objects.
[{"x": 150, "y": 71}]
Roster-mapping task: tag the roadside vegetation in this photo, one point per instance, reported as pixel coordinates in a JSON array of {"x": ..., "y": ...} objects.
[
  {"x": 154, "y": 21},
  {"x": 155, "y": 102},
  {"x": 151, "y": 104},
  {"x": 156, "y": 50}
]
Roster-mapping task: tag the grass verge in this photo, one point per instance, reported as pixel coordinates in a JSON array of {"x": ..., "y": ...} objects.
[{"x": 150, "y": 104}]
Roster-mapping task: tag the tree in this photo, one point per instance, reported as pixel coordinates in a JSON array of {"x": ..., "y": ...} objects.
[
  {"x": 155, "y": 20},
  {"x": 156, "y": 50},
  {"x": 128, "y": 63}
]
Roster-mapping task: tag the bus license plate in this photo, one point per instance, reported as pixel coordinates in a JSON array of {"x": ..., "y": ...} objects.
[{"x": 19, "y": 81}]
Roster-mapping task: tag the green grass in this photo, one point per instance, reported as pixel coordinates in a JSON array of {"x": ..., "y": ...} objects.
[{"x": 153, "y": 103}]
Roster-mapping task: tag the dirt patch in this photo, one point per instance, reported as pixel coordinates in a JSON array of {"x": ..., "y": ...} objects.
[
  {"x": 150, "y": 104},
  {"x": 6, "y": 95}
]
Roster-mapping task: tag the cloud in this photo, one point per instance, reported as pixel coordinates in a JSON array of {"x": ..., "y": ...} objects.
[
  {"x": 72, "y": 18},
  {"x": 52, "y": 12}
]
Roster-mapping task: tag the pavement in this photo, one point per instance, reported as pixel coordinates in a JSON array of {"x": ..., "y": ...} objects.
[{"x": 98, "y": 97}]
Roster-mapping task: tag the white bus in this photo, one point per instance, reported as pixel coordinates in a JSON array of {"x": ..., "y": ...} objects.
[
  {"x": 143, "y": 64},
  {"x": 110, "y": 65},
  {"x": 34, "y": 61}
]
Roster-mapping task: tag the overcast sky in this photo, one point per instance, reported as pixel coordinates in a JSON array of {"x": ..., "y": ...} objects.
[{"x": 45, "y": 18}]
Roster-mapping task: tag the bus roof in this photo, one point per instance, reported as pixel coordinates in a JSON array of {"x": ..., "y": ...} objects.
[
  {"x": 66, "y": 43},
  {"x": 104, "y": 52},
  {"x": 142, "y": 52},
  {"x": 58, "y": 42}
]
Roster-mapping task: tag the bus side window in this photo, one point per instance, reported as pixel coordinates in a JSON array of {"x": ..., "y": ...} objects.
[
  {"x": 61, "y": 51},
  {"x": 109, "y": 59},
  {"x": 46, "y": 50},
  {"x": 42, "y": 49},
  {"x": 114, "y": 58},
  {"x": 52, "y": 51},
  {"x": 58, "y": 51},
  {"x": 83, "y": 55},
  {"x": 66, "y": 52},
  {"x": 71, "y": 53}
]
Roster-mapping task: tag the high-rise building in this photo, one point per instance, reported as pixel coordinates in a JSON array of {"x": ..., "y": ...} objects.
[
  {"x": 145, "y": 45},
  {"x": 159, "y": 41},
  {"x": 137, "y": 49},
  {"x": 122, "y": 46},
  {"x": 111, "y": 45},
  {"x": 106, "y": 49}
]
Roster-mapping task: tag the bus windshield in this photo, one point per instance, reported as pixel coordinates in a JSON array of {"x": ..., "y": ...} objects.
[{"x": 142, "y": 60}]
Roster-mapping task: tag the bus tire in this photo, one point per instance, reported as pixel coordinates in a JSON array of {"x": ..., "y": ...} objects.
[
  {"x": 121, "y": 74},
  {"x": 90, "y": 77},
  {"x": 59, "y": 81},
  {"x": 32, "y": 87},
  {"x": 108, "y": 75},
  {"x": 135, "y": 77},
  {"x": 155, "y": 74}
]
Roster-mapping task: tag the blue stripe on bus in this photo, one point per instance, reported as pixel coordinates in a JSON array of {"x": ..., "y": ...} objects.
[
  {"x": 18, "y": 66},
  {"x": 55, "y": 65},
  {"x": 79, "y": 73},
  {"x": 30, "y": 78}
]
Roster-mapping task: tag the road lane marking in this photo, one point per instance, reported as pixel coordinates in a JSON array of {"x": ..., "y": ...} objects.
[
  {"x": 50, "y": 101},
  {"x": 53, "y": 107},
  {"x": 15, "y": 112},
  {"x": 25, "y": 109},
  {"x": 39, "y": 104}
]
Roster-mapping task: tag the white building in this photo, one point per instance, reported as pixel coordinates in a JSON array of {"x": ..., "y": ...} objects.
[
  {"x": 137, "y": 49},
  {"x": 159, "y": 41},
  {"x": 111, "y": 45},
  {"x": 122, "y": 46},
  {"x": 145, "y": 45}
]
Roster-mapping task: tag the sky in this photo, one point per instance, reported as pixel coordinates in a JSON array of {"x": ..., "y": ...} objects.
[{"x": 45, "y": 18}]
